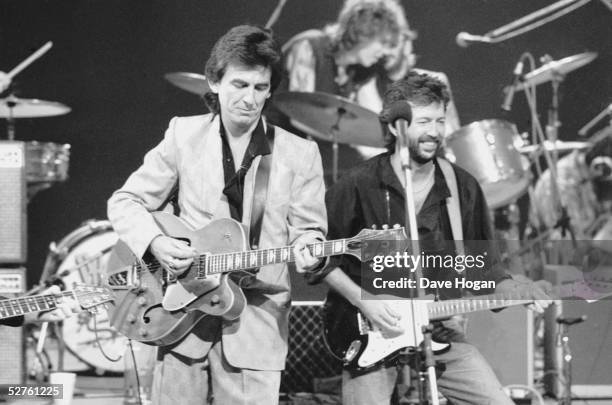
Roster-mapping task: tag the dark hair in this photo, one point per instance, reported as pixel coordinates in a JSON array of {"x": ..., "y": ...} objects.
[
  {"x": 247, "y": 45},
  {"x": 417, "y": 88},
  {"x": 363, "y": 21}
]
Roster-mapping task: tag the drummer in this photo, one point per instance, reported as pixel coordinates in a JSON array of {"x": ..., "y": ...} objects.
[{"x": 369, "y": 46}]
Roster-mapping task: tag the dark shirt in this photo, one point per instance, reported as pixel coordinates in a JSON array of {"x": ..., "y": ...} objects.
[
  {"x": 12, "y": 321},
  {"x": 234, "y": 180},
  {"x": 371, "y": 194}
]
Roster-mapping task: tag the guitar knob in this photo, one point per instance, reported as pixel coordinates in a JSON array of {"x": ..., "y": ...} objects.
[
  {"x": 214, "y": 300},
  {"x": 142, "y": 301},
  {"x": 131, "y": 318},
  {"x": 143, "y": 332}
]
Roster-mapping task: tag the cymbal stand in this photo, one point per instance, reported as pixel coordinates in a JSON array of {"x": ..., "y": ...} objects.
[
  {"x": 14, "y": 72},
  {"x": 10, "y": 120},
  {"x": 341, "y": 111},
  {"x": 551, "y": 133}
]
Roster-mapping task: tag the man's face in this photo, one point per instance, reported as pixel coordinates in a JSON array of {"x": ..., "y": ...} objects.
[
  {"x": 426, "y": 131},
  {"x": 371, "y": 51},
  {"x": 243, "y": 91},
  {"x": 403, "y": 52}
]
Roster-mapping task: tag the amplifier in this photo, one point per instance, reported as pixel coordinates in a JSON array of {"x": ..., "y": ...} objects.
[
  {"x": 12, "y": 366},
  {"x": 13, "y": 201},
  {"x": 308, "y": 359},
  {"x": 505, "y": 339}
]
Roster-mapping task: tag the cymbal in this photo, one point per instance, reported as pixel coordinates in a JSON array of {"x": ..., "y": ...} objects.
[
  {"x": 192, "y": 82},
  {"x": 14, "y": 107},
  {"x": 331, "y": 118},
  {"x": 548, "y": 71},
  {"x": 559, "y": 146}
]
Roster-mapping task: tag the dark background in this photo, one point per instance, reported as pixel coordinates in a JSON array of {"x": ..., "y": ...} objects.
[{"x": 109, "y": 57}]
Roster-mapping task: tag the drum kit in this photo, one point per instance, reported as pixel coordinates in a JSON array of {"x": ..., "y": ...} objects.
[{"x": 46, "y": 162}]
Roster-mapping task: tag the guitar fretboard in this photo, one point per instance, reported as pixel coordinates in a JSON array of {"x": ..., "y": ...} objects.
[
  {"x": 444, "y": 309},
  {"x": 34, "y": 303},
  {"x": 226, "y": 262}
]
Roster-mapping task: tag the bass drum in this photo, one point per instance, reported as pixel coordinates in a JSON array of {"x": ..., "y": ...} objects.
[{"x": 85, "y": 253}]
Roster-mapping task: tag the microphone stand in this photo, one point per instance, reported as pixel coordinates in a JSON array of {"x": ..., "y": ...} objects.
[{"x": 411, "y": 225}]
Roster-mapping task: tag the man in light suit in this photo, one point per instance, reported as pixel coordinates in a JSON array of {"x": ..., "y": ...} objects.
[{"x": 214, "y": 160}]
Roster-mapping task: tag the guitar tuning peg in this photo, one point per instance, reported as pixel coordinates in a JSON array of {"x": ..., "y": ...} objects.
[
  {"x": 397, "y": 226},
  {"x": 374, "y": 226},
  {"x": 385, "y": 227}
]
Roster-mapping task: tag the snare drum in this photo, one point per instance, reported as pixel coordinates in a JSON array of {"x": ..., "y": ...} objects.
[
  {"x": 46, "y": 163},
  {"x": 85, "y": 253},
  {"x": 487, "y": 150}
]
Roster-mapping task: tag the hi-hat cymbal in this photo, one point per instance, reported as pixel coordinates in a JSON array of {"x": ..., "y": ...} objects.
[
  {"x": 192, "y": 82},
  {"x": 549, "y": 71},
  {"x": 559, "y": 146},
  {"x": 331, "y": 118},
  {"x": 14, "y": 107}
]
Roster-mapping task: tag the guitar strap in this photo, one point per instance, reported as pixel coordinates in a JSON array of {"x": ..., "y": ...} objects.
[
  {"x": 452, "y": 205},
  {"x": 260, "y": 193},
  {"x": 247, "y": 279}
]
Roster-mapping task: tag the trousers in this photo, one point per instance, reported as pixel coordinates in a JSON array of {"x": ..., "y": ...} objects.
[
  {"x": 211, "y": 381},
  {"x": 468, "y": 379}
]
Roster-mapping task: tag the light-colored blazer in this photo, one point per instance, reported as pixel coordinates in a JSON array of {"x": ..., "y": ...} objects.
[{"x": 191, "y": 152}]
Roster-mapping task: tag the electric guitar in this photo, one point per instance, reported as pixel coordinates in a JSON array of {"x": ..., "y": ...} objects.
[
  {"x": 88, "y": 297},
  {"x": 351, "y": 338},
  {"x": 154, "y": 308}
]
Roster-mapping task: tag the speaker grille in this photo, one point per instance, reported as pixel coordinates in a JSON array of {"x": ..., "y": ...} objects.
[{"x": 308, "y": 359}]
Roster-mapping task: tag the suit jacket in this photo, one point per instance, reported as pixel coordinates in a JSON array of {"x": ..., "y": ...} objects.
[{"x": 191, "y": 154}]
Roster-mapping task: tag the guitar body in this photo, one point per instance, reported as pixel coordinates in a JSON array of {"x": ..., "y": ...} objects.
[
  {"x": 153, "y": 309},
  {"x": 350, "y": 337}
]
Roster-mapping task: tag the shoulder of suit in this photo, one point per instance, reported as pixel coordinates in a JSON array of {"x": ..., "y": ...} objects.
[
  {"x": 289, "y": 139},
  {"x": 191, "y": 125}
]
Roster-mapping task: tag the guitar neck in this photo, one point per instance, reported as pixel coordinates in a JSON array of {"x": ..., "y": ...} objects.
[
  {"x": 35, "y": 303},
  {"x": 227, "y": 262},
  {"x": 444, "y": 309}
]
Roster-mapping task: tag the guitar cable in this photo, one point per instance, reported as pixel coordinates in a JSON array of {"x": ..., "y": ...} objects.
[{"x": 100, "y": 345}]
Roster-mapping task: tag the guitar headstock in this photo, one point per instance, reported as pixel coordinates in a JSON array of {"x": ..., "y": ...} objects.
[
  {"x": 371, "y": 242},
  {"x": 90, "y": 296}
]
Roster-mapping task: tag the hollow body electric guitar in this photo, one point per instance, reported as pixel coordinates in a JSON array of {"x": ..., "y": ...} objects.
[
  {"x": 350, "y": 337},
  {"x": 154, "y": 308},
  {"x": 88, "y": 297}
]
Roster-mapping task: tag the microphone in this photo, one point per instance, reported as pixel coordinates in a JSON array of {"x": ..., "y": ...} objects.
[
  {"x": 400, "y": 116},
  {"x": 509, "y": 90},
  {"x": 464, "y": 39}
]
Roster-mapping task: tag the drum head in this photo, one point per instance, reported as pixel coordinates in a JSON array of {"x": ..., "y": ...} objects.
[
  {"x": 88, "y": 249},
  {"x": 486, "y": 149}
]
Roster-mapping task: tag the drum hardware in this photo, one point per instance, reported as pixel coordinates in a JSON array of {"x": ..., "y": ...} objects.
[
  {"x": 192, "y": 82},
  {"x": 552, "y": 70},
  {"x": 331, "y": 118},
  {"x": 585, "y": 129},
  {"x": 547, "y": 142},
  {"x": 563, "y": 340},
  {"x": 559, "y": 146}
]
